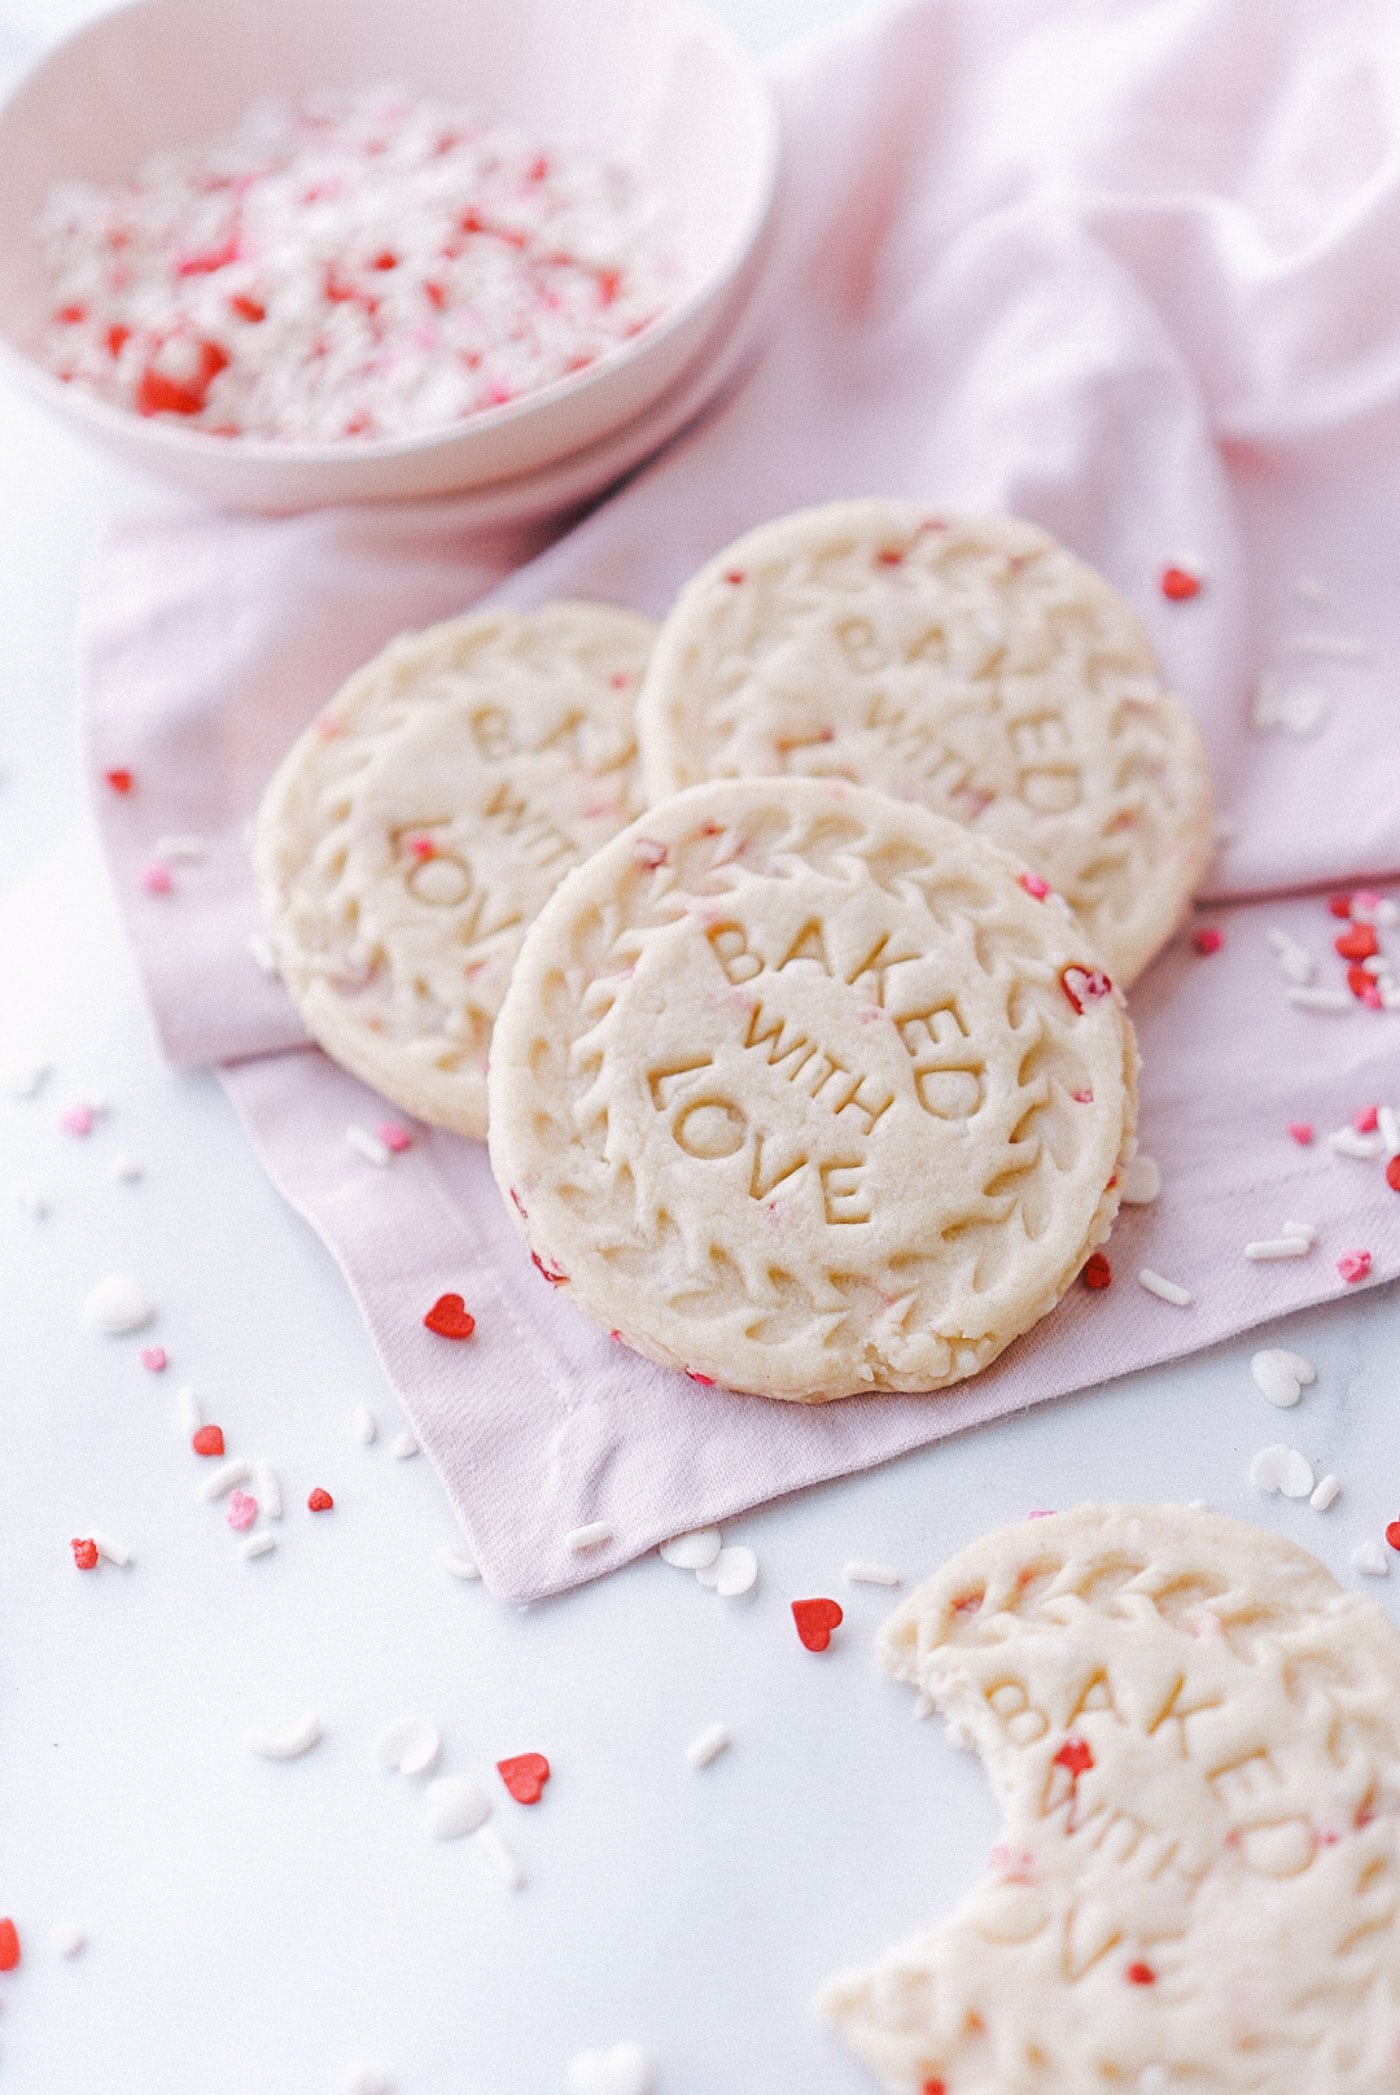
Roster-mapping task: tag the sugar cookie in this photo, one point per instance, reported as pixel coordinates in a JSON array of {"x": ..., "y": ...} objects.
[
  {"x": 418, "y": 825},
  {"x": 1194, "y": 1737},
  {"x": 801, "y": 1089},
  {"x": 972, "y": 664}
]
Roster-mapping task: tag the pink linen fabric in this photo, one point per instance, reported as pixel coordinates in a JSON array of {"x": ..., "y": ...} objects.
[{"x": 1128, "y": 269}]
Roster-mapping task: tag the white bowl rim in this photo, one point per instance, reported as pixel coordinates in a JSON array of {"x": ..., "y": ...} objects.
[{"x": 163, "y": 433}]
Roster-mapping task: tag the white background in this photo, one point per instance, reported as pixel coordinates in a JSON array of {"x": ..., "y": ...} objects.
[{"x": 255, "y": 1926}]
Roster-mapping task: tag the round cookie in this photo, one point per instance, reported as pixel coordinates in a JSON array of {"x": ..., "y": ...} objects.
[
  {"x": 1193, "y": 1734},
  {"x": 808, "y": 1092},
  {"x": 972, "y": 664},
  {"x": 420, "y": 823}
]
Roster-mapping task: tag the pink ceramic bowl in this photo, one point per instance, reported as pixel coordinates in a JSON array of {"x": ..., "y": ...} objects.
[{"x": 655, "y": 82}]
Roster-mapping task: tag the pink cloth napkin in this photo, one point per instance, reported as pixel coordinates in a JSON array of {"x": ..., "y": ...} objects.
[{"x": 1129, "y": 269}]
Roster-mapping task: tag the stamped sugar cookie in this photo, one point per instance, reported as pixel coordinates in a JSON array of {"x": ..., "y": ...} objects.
[
  {"x": 1194, "y": 1738},
  {"x": 808, "y": 1092},
  {"x": 972, "y": 664},
  {"x": 423, "y": 819}
]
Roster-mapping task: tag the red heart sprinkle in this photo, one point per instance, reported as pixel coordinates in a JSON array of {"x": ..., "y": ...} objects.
[
  {"x": 320, "y": 1501},
  {"x": 1360, "y": 943},
  {"x": 934, "y": 2087},
  {"x": 1392, "y": 1174},
  {"x": 1097, "y": 1271},
  {"x": 84, "y": 1553},
  {"x": 525, "y": 1776},
  {"x": 209, "y": 1440},
  {"x": 1081, "y": 984},
  {"x": 1178, "y": 584},
  {"x": 815, "y": 1620},
  {"x": 1340, "y": 905},
  {"x": 1209, "y": 939},
  {"x": 1140, "y": 1975},
  {"x": 1354, "y": 1266},
  {"x": 1076, "y": 1755},
  {"x": 120, "y": 781},
  {"x": 9, "y": 1945},
  {"x": 449, "y": 1317},
  {"x": 734, "y": 577},
  {"x": 1364, "y": 986},
  {"x": 1392, "y": 1534}
]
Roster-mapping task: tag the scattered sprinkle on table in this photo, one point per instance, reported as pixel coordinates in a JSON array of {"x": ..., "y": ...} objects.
[
  {"x": 1392, "y": 1534},
  {"x": 187, "y": 1404},
  {"x": 403, "y": 1447},
  {"x": 364, "y": 1425},
  {"x": 260, "y": 1545},
  {"x": 624, "y": 2069},
  {"x": 226, "y": 1478},
  {"x": 1292, "y": 1243},
  {"x": 9, "y": 1945},
  {"x": 1208, "y": 938},
  {"x": 707, "y": 1745},
  {"x": 154, "y": 1359},
  {"x": 1164, "y": 1290},
  {"x": 269, "y": 1491},
  {"x": 734, "y": 1571},
  {"x": 1281, "y": 1376},
  {"x": 861, "y": 1572},
  {"x": 693, "y": 1551},
  {"x": 1140, "y": 1180},
  {"x": 118, "y": 1305},
  {"x": 24, "y": 1079},
  {"x": 454, "y": 1807},
  {"x": 85, "y": 1552},
  {"x": 1179, "y": 584},
  {"x": 365, "y": 2077},
  {"x": 208, "y": 1440},
  {"x": 591, "y": 1536},
  {"x": 1282, "y": 1469},
  {"x": 460, "y": 1566},
  {"x": 111, "y": 1551},
  {"x": 1098, "y": 1273},
  {"x": 815, "y": 1620},
  {"x": 1325, "y": 1493},
  {"x": 1371, "y": 1559},
  {"x": 1302, "y": 1132},
  {"x": 502, "y": 1857},
  {"x": 410, "y": 1747},
  {"x": 67, "y": 1938},
  {"x": 524, "y": 1775},
  {"x": 1354, "y": 1266},
  {"x": 242, "y": 1510},
  {"x": 269, "y": 1743},
  {"x": 29, "y": 1200},
  {"x": 319, "y": 1501}
]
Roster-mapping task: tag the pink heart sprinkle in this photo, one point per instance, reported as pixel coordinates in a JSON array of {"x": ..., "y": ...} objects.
[
  {"x": 1354, "y": 1266},
  {"x": 1365, "y": 898},
  {"x": 242, "y": 1510},
  {"x": 77, "y": 1120},
  {"x": 1365, "y": 1120},
  {"x": 1034, "y": 885},
  {"x": 154, "y": 1358},
  {"x": 1301, "y": 1131},
  {"x": 156, "y": 878},
  {"x": 393, "y": 1136}
]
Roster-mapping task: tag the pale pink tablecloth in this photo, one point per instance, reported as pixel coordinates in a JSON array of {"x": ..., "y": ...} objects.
[{"x": 1129, "y": 269}]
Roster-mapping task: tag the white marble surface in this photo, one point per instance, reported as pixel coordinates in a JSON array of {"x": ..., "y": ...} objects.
[{"x": 254, "y": 1926}]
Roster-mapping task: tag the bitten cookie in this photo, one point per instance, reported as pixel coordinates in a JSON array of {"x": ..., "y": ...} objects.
[
  {"x": 972, "y": 664},
  {"x": 808, "y": 1092},
  {"x": 1194, "y": 1737},
  {"x": 417, "y": 827}
]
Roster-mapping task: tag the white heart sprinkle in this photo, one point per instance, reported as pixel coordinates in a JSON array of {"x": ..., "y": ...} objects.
[
  {"x": 732, "y": 1573},
  {"x": 1280, "y": 1468},
  {"x": 117, "y": 1305},
  {"x": 693, "y": 1552},
  {"x": 403, "y": 1447},
  {"x": 1140, "y": 1180},
  {"x": 1281, "y": 1377},
  {"x": 625, "y": 2069},
  {"x": 460, "y": 1566},
  {"x": 1371, "y": 1559},
  {"x": 410, "y": 1747},
  {"x": 453, "y": 1806},
  {"x": 285, "y": 1745}
]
